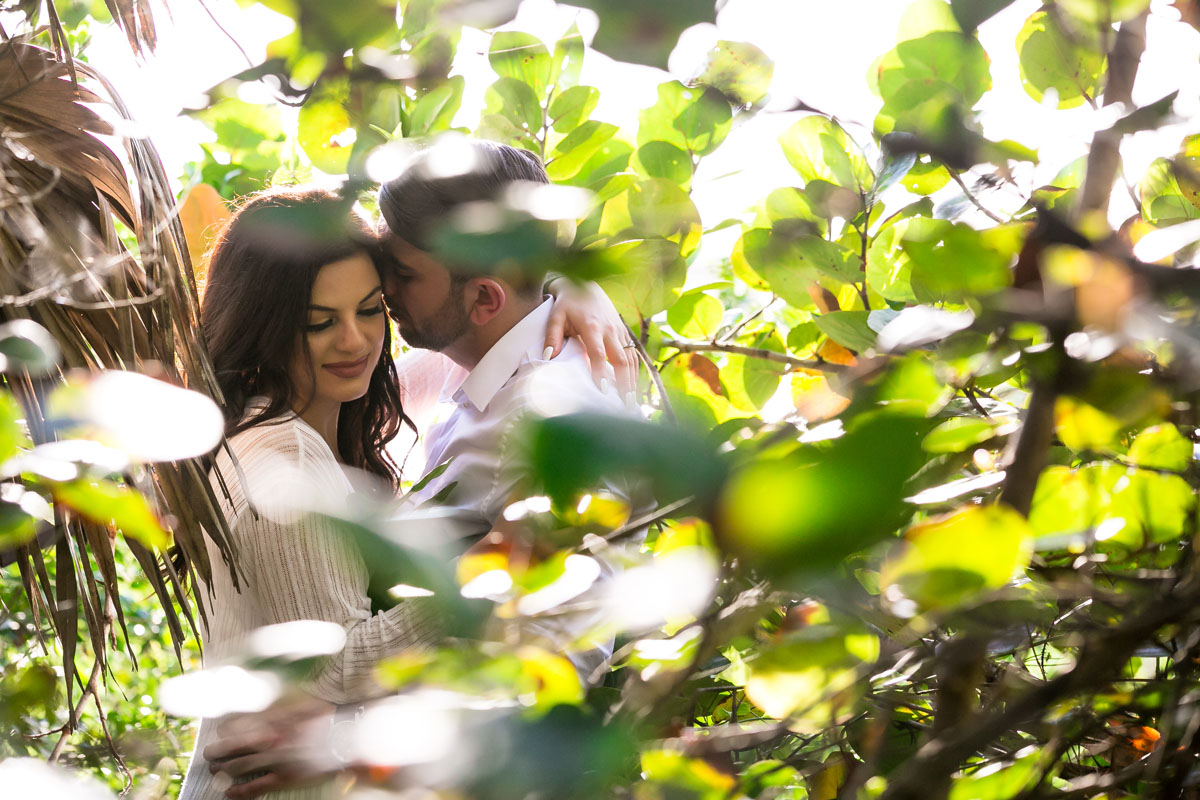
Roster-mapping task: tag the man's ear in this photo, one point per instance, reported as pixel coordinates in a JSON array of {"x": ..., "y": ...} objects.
[{"x": 487, "y": 297}]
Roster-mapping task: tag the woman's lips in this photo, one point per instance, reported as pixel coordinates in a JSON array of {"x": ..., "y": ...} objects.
[{"x": 347, "y": 369}]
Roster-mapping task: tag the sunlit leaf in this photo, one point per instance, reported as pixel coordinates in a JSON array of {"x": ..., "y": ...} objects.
[
  {"x": 949, "y": 560},
  {"x": 819, "y": 149},
  {"x": 847, "y": 328},
  {"x": 739, "y": 70},
  {"x": 809, "y": 511},
  {"x": 27, "y": 346},
  {"x": 515, "y": 101},
  {"x": 1104, "y": 12},
  {"x": 811, "y": 675},
  {"x": 1161, "y": 447},
  {"x": 324, "y": 131},
  {"x": 1051, "y": 58},
  {"x": 567, "y": 60},
  {"x": 434, "y": 111},
  {"x": 958, "y": 433},
  {"x": 695, "y": 120},
  {"x": 202, "y": 214},
  {"x": 581, "y": 144},
  {"x": 108, "y": 503},
  {"x": 522, "y": 56},
  {"x": 952, "y": 261},
  {"x": 696, "y": 315},
  {"x": 663, "y": 160},
  {"x": 813, "y": 398},
  {"x": 570, "y": 108}
]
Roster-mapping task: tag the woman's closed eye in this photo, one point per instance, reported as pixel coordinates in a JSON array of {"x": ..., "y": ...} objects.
[{"x": 372, "y": 311}]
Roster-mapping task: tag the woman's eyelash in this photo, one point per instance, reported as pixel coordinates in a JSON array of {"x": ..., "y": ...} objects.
[{"x": 317, "y": 327}]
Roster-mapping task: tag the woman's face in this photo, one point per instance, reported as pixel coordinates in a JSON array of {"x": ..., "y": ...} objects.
[{"x": 344, "y": 334}]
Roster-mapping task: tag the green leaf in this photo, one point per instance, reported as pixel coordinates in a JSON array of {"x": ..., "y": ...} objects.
[
  {"x": 767, "y": 260},
  {"x": 1161, "y": 447},
  {"x": 654, "y": 269},
  {"x": 818, "y": 149},
  {"x": 951, "y": 261},
  {"x": 660, "y": 208},
  {"x": 26, "y": 346},
  {"x": 323, "y": 131},
  {"x": 948, "y": 561},
  {"x": 835, "y": 260},
  {"x": 1163, "y": 199},
  {"x": 663, "y": 160},
  {"x": 959, "y": 433},
  {"x": 892, "y": 171},
  {"x": 739, "y": 70},
  {"x": 516, "y": 102},
  {"x": 749, "y": 381},
  {"x": 1103, "y": 12},
  {"x": 569, "y": 155},
  {"x": 811, "y": 677},
  {"x": 105, "y": 502},
  {"x": 570, "y": 108},
  {"x": 696, "y": 315},
  {"x": 926, "y": 176},
  {"x": 435, "y": 110},
  {"x": 847, "y": 328},
  {"x": 1050, "y": 58},
  {"x": 807, "y": 511},
  {"x": 17, "y": 526},
  {"x": 790, "y": 203},
  {"x": 628, "y": 32},
  {"x": 524, "y": 57},
  {"x": 970, "y": 13},
  {"x": 568, "y": 60},
  {"x": 696, "y": 119},
  {"x": 13, "y": 435},
  {"x": 943, "y": 66},
  {"x": 889, "y": 269}
]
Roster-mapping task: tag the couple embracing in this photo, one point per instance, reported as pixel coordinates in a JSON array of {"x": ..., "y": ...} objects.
[{"x": 295, "y": 315}]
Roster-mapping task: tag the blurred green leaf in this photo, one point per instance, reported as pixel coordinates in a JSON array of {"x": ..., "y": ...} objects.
[
  {"x": 948, "y": 561},
  {"x": 1051, "y": 58},
  {"x": 739, "y": 70},
  {"x": 664, "y": 160},
  {"x": 523, "y": 57},
  {"x": 696, "y": 119},
  {"x": 678, "y": 463},
  {"x": 13, "y": 434},
  {"x": 923, "y": 77},
  {"x": 696, "y": 315},
  {"x": 806, "y": 512},
  {"x": 569, "y": 155},
  {"x": 847, "y": 328},
  {"x": 568, "y": 61},
  {"x": 516, "y": 102},
  {"x": 628, "y": 33},
  {"x": 1163, "y": 199},
  {"x": 1161, "y": 447},
  {"x": 970, "y": 13},
  {"x": 323, "y": 129},
  {"x": 570, "y": 108},
  {"x": 434, "y": 111},
  {"x": 108, "y": 503},
  {"x": 811, "y": 675},
  {"x": 26, "y": 346},
  {"x": 959, "y": 433},
  {"x": 1103, "y": 12},
  {"x": 951, "y": 261},
  {"x": 819, "y": 149},
  {"x": 653, "y": 268},
  {"x": 659, "y": 207}
]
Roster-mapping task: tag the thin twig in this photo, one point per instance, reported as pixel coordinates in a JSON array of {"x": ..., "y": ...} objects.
[
  {"x": 974, "y": 201},
  {"x": 753, "y": 352}
]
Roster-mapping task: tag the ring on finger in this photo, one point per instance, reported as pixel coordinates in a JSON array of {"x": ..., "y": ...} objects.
[{"x": 630, "y": 344}]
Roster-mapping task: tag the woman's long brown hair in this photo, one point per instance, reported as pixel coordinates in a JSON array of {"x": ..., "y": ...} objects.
[{"x": 254, "y": 308}]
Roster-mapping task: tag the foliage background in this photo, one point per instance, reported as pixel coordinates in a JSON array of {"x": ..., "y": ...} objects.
[{"x": 960, "y": 561}]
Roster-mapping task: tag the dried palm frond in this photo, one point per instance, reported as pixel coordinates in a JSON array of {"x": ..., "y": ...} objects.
[{"x": 92, "y": 250}]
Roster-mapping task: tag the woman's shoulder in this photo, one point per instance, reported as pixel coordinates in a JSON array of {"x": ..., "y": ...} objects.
[
  {"x": 283, "y": 454},
  {"x": 287, "y": 437}
]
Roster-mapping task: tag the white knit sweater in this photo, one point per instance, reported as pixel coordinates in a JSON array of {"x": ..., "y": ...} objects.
[{"x": 294, "y": 567}]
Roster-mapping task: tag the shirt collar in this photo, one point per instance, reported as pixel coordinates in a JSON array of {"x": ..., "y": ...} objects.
[{"x": 524, "y": 342}]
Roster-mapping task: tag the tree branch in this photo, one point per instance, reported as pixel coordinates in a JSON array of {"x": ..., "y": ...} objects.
[{"x": 753, "y": 352}]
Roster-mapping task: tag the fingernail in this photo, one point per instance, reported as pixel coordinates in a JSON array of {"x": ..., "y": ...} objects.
[
  {"x": 549, "y": 351},
  {"x": 603, "y": 385},
  {"x": 630, "y": 400}
]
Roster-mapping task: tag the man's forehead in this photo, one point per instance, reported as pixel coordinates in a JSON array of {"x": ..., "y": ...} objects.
[{"x": 408, "y": 255}]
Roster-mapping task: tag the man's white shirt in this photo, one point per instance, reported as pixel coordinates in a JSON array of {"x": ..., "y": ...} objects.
[{"x": 480, "y": 421}]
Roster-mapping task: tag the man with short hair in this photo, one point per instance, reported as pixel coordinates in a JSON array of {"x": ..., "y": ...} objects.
[{"x": 490, "y": 319}]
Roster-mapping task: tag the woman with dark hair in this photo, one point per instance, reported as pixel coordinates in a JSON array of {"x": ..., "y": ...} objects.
[{"x": 294, "y": 318}]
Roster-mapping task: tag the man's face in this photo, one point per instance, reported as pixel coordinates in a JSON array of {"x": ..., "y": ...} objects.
[{"x": 427, "y": 304}]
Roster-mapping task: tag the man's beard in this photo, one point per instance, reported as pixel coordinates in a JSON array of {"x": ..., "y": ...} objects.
[{"x": 440, "y": 329}]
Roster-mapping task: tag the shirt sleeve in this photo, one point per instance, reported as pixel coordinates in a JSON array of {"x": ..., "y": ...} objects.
[
  {"x": 303, "y": 568},
  {"x": 306, "y": 570}
]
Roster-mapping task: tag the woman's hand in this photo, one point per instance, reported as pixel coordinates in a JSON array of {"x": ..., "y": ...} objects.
[{"x": 586, "y": 313}]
